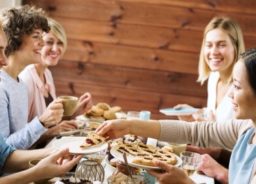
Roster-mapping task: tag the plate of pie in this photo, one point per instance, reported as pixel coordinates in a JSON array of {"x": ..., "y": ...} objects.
[
  {"x": 142, "y": 156},
  {"x": 82, "y": 145},
  {"x": 179, "y": 111}
]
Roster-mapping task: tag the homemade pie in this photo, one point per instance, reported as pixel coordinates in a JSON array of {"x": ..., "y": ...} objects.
[
  {"x": 145, "y": 154},
  {"x": 92, "y": 139}
]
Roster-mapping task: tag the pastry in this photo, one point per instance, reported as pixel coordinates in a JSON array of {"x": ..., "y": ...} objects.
[
  {"x": 108, "y": 115},
  {"x": 92, "y": 139},
  {"x": 145, "y": 154},
  {"x": 103, "y": 106}
]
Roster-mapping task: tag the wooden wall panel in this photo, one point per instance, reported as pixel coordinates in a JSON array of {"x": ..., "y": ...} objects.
[
  {"x": 131, "y": 78},
  {"x": 138, "y": 35},
  {"x": 138, "y": 57},
  {"x": 139, "y": 54},
  {"x": 216, "y": 5},
  {"x": 127, "y": 86}
]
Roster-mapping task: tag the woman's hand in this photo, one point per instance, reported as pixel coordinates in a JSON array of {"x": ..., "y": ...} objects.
[
  {"x": 84, "y": 103},
  {"x": 212, "y": 151},
  {"x": 56, "y": 164},
  {"x": 170, "y": 174},
  {"x": 53, "y": 114},
  {"x": 213, "y": 169},
  {"x": 114, "y": 128},
  {"x": 63, "y": 126}
]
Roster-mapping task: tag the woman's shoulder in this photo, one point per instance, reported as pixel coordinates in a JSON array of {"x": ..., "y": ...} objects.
[
  {"x": 27, "y": 72},
  {"x": 243, "y": 126}
]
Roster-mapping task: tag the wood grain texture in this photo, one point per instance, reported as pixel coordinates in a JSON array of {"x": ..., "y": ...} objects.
[{"x": 139, "y": 54}]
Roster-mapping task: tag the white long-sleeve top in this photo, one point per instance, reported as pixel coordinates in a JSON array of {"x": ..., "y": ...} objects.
[{"x": 223, "y": 112}]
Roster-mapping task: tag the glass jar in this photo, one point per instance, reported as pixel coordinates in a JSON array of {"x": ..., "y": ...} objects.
[{"x": 90, "y": 170}]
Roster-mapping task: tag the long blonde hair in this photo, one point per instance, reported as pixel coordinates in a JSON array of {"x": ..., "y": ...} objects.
[{"x": 236, "y": 36}]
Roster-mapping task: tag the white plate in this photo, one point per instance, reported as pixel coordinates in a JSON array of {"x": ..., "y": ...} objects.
[
  {"x": 130, "y": 158},
  {"x": 71, "y": 132},
  {"x": 73, "y": 143},
  {"x": 177, "y": 112}
]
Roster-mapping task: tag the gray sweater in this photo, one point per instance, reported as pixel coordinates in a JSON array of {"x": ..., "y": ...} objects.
[{"x": 14, "y": 124}]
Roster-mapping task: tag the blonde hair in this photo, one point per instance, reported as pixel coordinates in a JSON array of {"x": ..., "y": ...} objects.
[
  {"x": 236, "y": 36},
  {"x": 58, "y": 31}
]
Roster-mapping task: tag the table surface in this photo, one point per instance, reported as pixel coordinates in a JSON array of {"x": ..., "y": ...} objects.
[{"x": 196, "y": 177}]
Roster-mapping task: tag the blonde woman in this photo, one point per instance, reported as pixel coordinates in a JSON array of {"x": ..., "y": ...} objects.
[
  {"x": 237, "y": 134},
  {"x": 40, "y": 83},
  {"x": 222, "y": 44}
]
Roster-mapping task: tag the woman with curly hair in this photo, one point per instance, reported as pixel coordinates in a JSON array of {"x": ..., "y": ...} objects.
[
  {"x": 23, "y": 27},
  {"x": 40, "y": 83}
]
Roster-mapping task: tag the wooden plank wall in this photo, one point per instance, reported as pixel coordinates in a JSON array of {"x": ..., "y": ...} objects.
[{"x": 139, "y": 54}]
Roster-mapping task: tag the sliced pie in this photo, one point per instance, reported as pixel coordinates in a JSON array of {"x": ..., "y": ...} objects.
[{"x": 92, "y": 139}]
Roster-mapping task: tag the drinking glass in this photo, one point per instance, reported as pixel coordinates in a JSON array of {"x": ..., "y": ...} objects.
[
  {"x": 190, "y": 161},
  {"x": 133, "y": 115}
]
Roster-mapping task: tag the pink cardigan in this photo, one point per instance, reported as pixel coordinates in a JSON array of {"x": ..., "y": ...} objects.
[{"x": 36, "y": 88}]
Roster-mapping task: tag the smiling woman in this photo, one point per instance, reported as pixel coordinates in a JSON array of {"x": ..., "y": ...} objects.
[
  {"x": 23, "y": 27},
  {"x": 236, "y": 134},
  {"x": 39, "y": 81},
  {"x": 244, "y": 93}
]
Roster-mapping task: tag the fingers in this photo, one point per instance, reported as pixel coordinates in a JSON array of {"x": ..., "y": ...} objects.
[
  {"x": 156, "y": 173},
  {"x": 165, "y": 168},
  {"x": 56, "y": 104},
  {"x": 104, "y": 128},
  {"x": 163, "y": 165},
  {"x": 53, "y": 114},
  {"x": 86, "y": 96},
  {"x": 59, "y": 154},
  {"x": 69, "y": 124},
  {"x": 68, "y": 165}
]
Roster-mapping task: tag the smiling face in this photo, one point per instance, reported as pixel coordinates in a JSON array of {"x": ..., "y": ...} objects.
[
  {"x": 219, "y": 52},
  {"x": 52, "y": 50},
  {"x": 30, "y": 50},
  {"x": 242, "y": 94}
]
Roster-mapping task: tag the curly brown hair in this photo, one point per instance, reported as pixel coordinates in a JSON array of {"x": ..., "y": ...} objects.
[{"x": 20, "y": 21}]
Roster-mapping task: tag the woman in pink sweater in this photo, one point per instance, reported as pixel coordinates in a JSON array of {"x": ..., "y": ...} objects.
[{"x": 40, "y": 83}]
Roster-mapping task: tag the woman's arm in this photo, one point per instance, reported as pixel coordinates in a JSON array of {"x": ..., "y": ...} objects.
[
  {"x": 204, "y": 134},
  {"x": 22, "y": 177},
  {"x": 201, "y": 134},
  {"x": 117, "y": 128},
  {"x": 49, "y": 167},
  {"x": 19, "y": 159}
]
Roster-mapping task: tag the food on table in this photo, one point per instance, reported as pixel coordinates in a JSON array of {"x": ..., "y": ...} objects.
[
  {"x": 145, "y": 154},
  {"x": 93, "y": 125},
  {"x": 120, "y": 178},
  {"x": 103, "y": 106},
  {"x": 103, "y": 110},
  {"x": 92, "y": 139}
]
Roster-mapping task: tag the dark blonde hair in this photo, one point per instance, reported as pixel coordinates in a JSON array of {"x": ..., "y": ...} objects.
[
  {"x": 58, "y": 31},
  {"x": 236, "y": 36},
  {"x": 20, "y": 21}
]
